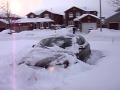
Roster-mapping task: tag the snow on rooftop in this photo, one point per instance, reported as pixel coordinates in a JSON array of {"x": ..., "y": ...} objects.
[
  {"x": 84, "y": 15},
  {"x": 39, "y": 12},
  {"x": 83, "y": 8},
  {"x": 52, "y": 10},
  {"x": 31, "y": 20},
  {"x": 87, "y": 9},
  {"x": 11, "y": 15},
  {"x": 4, "y": 21}
]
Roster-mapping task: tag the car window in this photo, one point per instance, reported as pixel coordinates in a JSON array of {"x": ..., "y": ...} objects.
[{"x": 59, "y": 41}]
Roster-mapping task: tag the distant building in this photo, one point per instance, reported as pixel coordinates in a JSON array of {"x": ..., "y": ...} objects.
[
  {"x": 81, "y": 18},
  {"x": 56, "y": 17},
  {"x": 32, "y": 23},
  {"x": 3, "y": 24},
  {"x": 4, "y": 20},
  {"x": 113, "y": 22}
]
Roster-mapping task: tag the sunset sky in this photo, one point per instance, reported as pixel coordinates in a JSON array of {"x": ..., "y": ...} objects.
[{"x": 22, "y": 7}]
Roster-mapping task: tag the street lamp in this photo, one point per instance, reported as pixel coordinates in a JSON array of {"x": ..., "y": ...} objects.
[{"x": 100, "y": 16}]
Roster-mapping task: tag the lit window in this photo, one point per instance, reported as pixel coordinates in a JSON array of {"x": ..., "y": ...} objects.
[
  {"x": 70, "y": 15},
  {"x": 70, "y": 23},
  {"x": 46, "y": 15},
  {"x": 89, "y": 17},
  {"x": 77, "y": 14},
  {"x": 32, "y": 16}
]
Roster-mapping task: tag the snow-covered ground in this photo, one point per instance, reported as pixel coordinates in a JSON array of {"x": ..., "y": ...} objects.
[{"x": 101, "y": 72}]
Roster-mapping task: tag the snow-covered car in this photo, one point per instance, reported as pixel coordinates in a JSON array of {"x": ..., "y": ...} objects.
[{"x": 59, "y": 50}]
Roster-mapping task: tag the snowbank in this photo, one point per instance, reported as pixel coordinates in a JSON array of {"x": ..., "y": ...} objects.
[{"x": 102, "y": 72}]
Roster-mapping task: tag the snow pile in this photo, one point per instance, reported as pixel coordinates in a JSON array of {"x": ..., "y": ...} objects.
[{"x": 102, "y": 72}]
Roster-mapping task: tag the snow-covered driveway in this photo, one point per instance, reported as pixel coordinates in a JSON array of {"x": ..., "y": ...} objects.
[{"x": 104, "y": 74}]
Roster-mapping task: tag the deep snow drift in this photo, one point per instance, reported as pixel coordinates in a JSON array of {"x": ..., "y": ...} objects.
[{"x": 101, "y": 72}]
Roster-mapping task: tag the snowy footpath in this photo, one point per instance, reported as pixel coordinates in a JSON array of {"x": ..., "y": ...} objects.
[{"x": 101, "y": 72}]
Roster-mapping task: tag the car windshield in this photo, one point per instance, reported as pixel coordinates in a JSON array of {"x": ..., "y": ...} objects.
[{"x": 59, "y": 41}]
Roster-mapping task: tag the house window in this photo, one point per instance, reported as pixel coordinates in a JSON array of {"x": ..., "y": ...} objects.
[
  {"x": 70, "y": 23},
  {"x": 87, "y": 12},
  {"x": 77, "y": 14},
  {"x": 31, "y": 16},
  {"x": 89, "y": 17},
  {"x": 46, "y": 15},
  {"x": 70, "y": 15},
  {"x": 47, "y": 25},
  {"x": 94, "y": 13}
]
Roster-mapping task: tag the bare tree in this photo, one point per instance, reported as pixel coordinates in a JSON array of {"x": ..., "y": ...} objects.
[
  {"x": 6, "y": 14},
  {"x": 115, "y": 3}
]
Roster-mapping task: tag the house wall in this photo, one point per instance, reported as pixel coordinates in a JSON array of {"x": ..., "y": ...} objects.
[
  {"x": 29, "y": 15},
  {"x": 17, "y": 27},
  {"x": 92, "y": 12},
  {"x": 58, "y": 19},
  {"x": 2, "y": 26},
  {"x": 74, "y": 10},
  {"x": 30, "y": 26},
  {"x": 89, "y": 19},
  {"x": 113, "y": 19}
]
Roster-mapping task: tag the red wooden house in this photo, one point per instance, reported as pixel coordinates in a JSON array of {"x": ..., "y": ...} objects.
[
  {"x": 57, "y": 18},
  {"x": 4, "y": 20},
  {"x": 86, "y": 18},
  {"x": 32, "y": 23}
]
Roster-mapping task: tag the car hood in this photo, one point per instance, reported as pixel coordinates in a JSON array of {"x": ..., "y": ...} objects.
[{"x": 51, "y": 54}]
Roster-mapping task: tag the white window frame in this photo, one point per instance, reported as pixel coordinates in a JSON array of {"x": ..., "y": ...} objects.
[
  {"x": 78, "y": 14},
  {"x": 46, "y": 15},
  {"x": 70, "y": 22},
  {"x": 31, "y": 16},
  {"x": 71, "y": 15}
]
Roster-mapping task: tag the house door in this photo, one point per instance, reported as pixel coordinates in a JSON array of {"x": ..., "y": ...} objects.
[
  {"x": 87, "y": 26},
  {"x": 114, "y": 26}
]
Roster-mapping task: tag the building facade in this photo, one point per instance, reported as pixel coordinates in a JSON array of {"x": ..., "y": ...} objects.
[
  {"x": 75, "y": 12},
  {"x": 82, "y": 19},
  {"x": 57, "y": 18},
  {"x": 113, "y": 22}
]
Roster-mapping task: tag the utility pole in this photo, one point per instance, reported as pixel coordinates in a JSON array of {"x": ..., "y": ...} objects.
[{"x": 100, "y": 16}]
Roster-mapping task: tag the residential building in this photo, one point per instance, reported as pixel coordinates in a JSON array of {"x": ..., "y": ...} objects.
[
  {"x": 113, "y": 22},
  {"x": 82, "y": 19},
  {"x": 57, "y": 18}
]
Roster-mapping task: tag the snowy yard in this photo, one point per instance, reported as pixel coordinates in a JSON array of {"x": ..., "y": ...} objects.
[{"x": 101, "y": 72}]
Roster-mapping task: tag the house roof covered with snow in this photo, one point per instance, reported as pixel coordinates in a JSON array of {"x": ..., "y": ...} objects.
[
  {"x": 4, "y": 21},
  {"x": 52, "y": 11},
  {"x": 4, "y": 15},
  {"x": 83, "y": 8},
  {"x": 84, "y": 15},
  {"x": 33, "y": 20}
]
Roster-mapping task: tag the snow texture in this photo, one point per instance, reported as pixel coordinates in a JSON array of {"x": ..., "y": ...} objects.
[{"x": 101, "y": 72}]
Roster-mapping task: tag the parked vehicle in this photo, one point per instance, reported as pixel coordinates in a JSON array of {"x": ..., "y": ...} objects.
[{"x": 59, "y": 51}]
